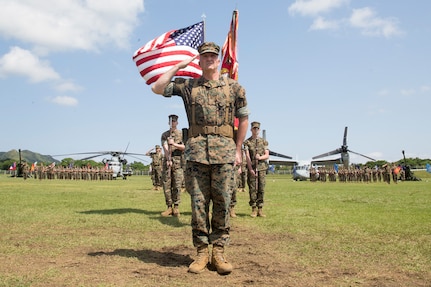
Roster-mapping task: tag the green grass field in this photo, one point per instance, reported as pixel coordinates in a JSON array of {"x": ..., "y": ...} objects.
[{"x": 352, "y": 233}]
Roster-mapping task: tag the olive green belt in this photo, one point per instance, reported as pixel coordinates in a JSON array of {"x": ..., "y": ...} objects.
[{"x": 225, "y": 130}]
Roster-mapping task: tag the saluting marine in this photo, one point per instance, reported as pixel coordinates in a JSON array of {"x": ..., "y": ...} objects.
[{"x": 211, "y": 102}]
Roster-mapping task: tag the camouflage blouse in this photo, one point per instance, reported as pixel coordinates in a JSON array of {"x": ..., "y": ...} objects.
[
  {"x": 209, "y": 105},
  {"x": 259, "y": 148}
]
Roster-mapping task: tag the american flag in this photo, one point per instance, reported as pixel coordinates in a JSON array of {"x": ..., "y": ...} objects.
[
  {"x": 162, "y": 53},
  {"x": 13, "y": 166}
]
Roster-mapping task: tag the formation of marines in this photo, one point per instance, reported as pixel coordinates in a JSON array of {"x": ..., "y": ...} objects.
[
  {"x": 67, "y": 173},
  {"x": 385, "y": 173}
]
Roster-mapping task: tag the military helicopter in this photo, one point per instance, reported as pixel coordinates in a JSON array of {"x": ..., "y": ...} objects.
[
  {"x": 301, "y": 169},
  {"x": 343, "y": 150},
  {"x": 116, "y": 163}
]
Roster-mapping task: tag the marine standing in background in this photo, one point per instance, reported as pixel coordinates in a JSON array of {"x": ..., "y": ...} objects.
[
  {"x": 156, "y": 166},
  {"x": 257, "y": 153},
  {"x": 172, "y": 178},
  {"x": 25, "y": 170},
  {"x": 242, "y": 178},
  {"x": 211, "y": 103},
  {"x": 386, "y": 173}
]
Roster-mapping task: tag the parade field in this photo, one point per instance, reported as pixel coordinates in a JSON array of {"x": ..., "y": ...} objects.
[{"x": 110, "y": 233}]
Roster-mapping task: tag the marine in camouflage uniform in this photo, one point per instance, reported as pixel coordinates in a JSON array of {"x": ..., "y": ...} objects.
[
  {"x": 242, "y": 177},
  {"x": 172, "y": 175},
  {"x": 257, "y": 152},
  {"x": 211, "y": 102},
  {"x": 25, "y": 170},
  {"x": 156, "y": 166}
]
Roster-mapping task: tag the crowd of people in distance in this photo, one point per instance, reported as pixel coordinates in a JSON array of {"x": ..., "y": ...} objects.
[
  {"x": 386, "y": 173},
  {"x": 52, "y": 171}
]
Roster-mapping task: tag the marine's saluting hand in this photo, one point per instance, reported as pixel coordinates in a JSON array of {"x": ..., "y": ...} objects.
[{"x": 186, "y": 62}]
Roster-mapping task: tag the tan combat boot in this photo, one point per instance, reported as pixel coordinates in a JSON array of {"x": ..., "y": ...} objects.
[
  {"x": 253, "y": 211},
  {"x": 176, "y": 211},
  {"x": 167, "y": 212},
  {"x": 201, "y": 260},
  {"x": 260, "y": 212},
  {"x": 232, "y": 212},
  {"x": 218, "y": 261}
]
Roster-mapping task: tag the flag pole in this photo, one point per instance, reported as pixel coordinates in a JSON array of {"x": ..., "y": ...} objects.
[{"x": 203, "y": 20}]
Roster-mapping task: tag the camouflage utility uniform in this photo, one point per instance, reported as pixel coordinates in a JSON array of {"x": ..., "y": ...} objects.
[
  {"x": 172, "y": 178},
  {"x": 256, "y": 146},
  {"x": 156, "y": 168},
  {"x": 211, "y": 106}
]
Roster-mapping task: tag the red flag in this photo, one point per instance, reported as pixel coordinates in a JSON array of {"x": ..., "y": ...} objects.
[
  {"x": 162, "y": 53},
  {"x": 229, "y": 63}
]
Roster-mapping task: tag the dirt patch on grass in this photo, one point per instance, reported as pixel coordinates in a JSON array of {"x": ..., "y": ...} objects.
[{"x": 258, "y": 260}]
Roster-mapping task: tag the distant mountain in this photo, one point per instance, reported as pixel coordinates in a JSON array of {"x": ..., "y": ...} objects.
[{"x": 27, "y": 155}]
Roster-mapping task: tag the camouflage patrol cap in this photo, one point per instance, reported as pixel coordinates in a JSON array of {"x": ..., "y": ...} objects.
[
  {"x": 255, "y": 125},
  {"x": 157, "y": 146},
  {"x": 173, "y": 117},
  {"x": 209, "y": 47}
]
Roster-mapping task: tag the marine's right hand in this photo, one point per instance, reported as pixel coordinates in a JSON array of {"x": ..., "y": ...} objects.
[{"x": 186, "y": 62}]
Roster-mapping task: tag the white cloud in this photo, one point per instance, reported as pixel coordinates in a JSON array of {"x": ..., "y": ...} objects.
[
  {"x": 65, "y": 101},
  {"x": 55, "y": 25},
  {"x": 66, "y": 86},
  {"x": 364, "y": 19},
  {"x": 372, "y": 25},
  {"x": 415, "y": 91},
  {"x": 408, "y": 92},
  {"x": 425, "y": 89},
  {"x": 383, "y": 93},
  {"x": 23, "y": 62},
  {"x": 314, "y": 7},
  {"x": 322, "y": 24}
]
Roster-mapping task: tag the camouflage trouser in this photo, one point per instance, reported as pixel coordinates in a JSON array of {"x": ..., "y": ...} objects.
[
  {"x": 206, "y": 183},
  {"x": 242, "y": 178},
  {"x": 156, "y": 176},
  {"x": 256, "y": 195},
  {"x": 235, "y": 179},
  {"x": 172, "y": 180}
]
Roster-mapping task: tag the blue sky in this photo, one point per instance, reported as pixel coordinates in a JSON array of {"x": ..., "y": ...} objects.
[{"x": 310, "y": 68}]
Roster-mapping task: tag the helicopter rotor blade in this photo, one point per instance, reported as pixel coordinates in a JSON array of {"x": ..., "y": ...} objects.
[
  {"x": 119, "y": 154},
  {"x": 279, "y": 154},
  {"x": 125, "y": 151},
  {"x": 361, "y": 155},
  {"x": 80, "y": 153},
  {"x": 345, "y": 137},
  {"x": 93, "y": 156},
  {"x": 141, "y": 159},
  {"x": 336, "y": 151},
  {"x": 131, "y": 153}
]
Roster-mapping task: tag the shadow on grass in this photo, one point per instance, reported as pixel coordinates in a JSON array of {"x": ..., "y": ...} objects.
[
  {"x": 162, "y": 258},
  {"x": 155, "y": 215},
  {"x": 119, "y": 211}
]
